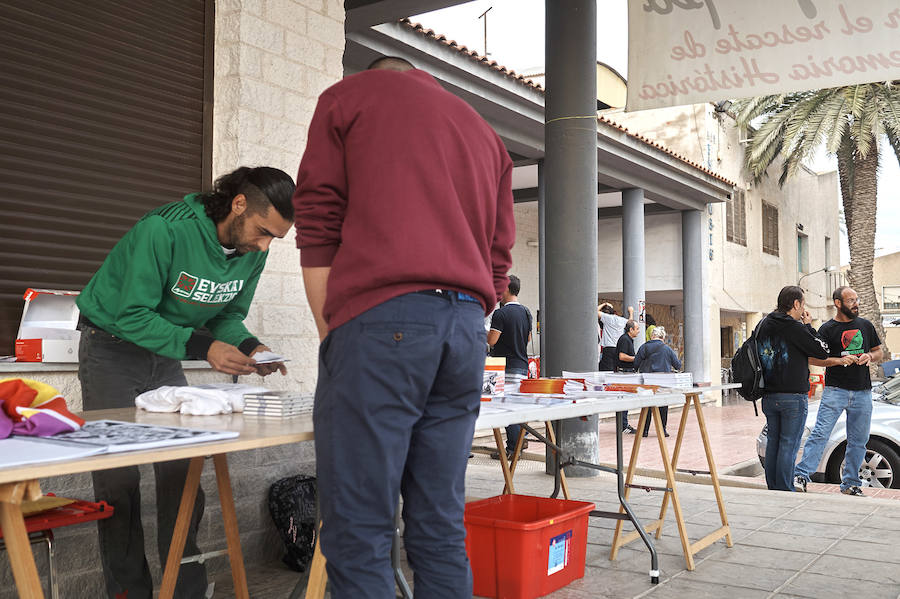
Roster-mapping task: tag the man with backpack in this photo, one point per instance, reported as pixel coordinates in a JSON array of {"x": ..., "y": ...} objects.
[
  {"x": 853, "y": 344},
  {"x": 785, "y": 342}
]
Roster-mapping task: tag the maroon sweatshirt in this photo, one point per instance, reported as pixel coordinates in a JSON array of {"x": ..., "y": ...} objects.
[{"x": 402, "y": 187}]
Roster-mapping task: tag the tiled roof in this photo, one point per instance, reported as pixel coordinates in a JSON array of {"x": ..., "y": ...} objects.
[
  {"x": 492, "y": 64},
  {"x": 663, "y": 148},
  {"x": 509, "y": 73}
]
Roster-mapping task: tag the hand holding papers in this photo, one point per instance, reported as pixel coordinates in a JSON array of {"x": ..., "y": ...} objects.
[
  {"x": 268, "y": 361},
  {"x": 268, "y": 357}
]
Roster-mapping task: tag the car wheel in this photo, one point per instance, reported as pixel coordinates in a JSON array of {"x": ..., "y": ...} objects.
[{"x": 880, "y": 468}]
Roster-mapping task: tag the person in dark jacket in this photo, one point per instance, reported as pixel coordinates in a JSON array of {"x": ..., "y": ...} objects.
[
  {"x": 786, "y": 341},
  {"x": 656, "y": 356}
]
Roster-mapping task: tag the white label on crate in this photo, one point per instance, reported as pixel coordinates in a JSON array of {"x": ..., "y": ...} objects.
[{"x": 559, "y": 552}]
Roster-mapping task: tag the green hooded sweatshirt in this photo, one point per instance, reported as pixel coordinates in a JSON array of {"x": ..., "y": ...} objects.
[{"x": 169, "y": 276}]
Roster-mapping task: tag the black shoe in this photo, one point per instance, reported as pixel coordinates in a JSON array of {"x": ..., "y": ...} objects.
[
  {"x": 855, "y": 491},
  {"x": 800, "y": 484},
  {"x": 666, "y": 433},
  {"x": 495, "y": 455},
  {"x": 644, "y": 435},
  {"x": 628, "y": 430},
  {"x": 471, "y": 455}
]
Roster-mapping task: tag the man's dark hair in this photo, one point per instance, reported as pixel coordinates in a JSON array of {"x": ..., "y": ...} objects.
[
  {"x": 839, "y": 293},
  {"x": 787, "y": 296},
  {"x": 390, "y": 63},
  {"x": 607, "y": 309},
  {"x": 631, "y": 324},
  {"x": 263, "y": 186},
  {"x": 515, "y": 285},
  {"x": 651, "y": 322}
]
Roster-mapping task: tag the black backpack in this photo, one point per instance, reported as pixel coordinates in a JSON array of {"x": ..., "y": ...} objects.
[
  {"x": 746, "y": 369},
  {"x": 292, "y": 504}
]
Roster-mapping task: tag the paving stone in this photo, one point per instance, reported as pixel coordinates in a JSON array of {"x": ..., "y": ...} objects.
[
  {"x": 882, "y": 522},
  {"x": 872, "y": 536},
  {"x": 825, "y": 516},
  {"x": 734, "y": 574},
  {"x": 764, "y": 557},
  {"x": 686, "y": 585},
  {"x": 604, "y": 582},
  {"x": 817, "y": 586},
  {"x": 861, "y": 568},
  {"x": 808, "y": 529},
  {"x": 790, "y": 542},
  {"x": 857, "y": 549}
]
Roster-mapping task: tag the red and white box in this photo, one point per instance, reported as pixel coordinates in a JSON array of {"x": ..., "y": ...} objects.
[{"x": 47, "y": 332}]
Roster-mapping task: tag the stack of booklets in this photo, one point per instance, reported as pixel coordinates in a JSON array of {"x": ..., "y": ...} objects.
[
  {"x": 278, "y": 404},
  {"x": 677, "y": 380},
  {"x": 592, "y": 377},
  {"x": 631, "y": 378}
]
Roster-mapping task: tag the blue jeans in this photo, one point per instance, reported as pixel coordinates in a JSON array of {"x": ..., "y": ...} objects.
[
  {"x": 785, "y": 417},
  {"x": 858, "y": 405},
  {"x": 513, "y": 378},
  {"x": 398, "y": 393}
]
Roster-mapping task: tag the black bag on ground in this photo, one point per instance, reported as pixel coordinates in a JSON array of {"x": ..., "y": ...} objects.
[
  {"x": 292, "y": 505},
  {"x": 746, "y": 369}
]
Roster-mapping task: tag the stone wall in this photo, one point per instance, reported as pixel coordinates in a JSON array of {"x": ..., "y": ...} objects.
[{"x": 272, "y": 59}]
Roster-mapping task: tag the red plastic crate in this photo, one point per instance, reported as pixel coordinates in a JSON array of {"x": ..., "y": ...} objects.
[
  {"x": 73, "y": 513},
  {"x": 522, "y": 547}
]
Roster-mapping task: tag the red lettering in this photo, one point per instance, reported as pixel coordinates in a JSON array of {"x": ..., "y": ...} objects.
[{"x": 861, "y": 25}]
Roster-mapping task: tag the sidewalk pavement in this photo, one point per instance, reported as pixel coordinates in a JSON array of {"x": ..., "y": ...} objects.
[
  {"x": 816, "y": 544},
  {"x": 785, "y": 544}
]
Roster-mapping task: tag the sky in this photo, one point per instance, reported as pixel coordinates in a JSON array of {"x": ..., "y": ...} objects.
[{"x": 515, "y": 39}]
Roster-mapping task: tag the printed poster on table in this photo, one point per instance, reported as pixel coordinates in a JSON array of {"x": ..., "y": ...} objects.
[{"x": 693, "y": 51}]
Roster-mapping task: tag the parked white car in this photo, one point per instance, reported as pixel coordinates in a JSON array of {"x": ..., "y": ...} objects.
[{"x": 881, "y": 466}]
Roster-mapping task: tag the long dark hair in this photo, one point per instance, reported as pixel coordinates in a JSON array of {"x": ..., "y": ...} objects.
[
  {"x": 787, "y": 296},
  {"x": 263, "y": 186}
]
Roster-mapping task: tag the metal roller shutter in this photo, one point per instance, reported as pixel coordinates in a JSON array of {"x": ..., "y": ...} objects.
[{"x": 101, "y": 119}]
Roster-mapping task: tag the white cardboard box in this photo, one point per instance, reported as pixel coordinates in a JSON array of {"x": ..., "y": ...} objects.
[{"x": 47, "y": 332}]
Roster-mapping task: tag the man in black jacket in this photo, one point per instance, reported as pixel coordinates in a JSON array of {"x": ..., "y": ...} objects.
[{"x": 785, "y": 342}]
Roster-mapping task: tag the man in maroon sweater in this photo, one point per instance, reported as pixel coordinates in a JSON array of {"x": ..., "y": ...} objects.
[{"x": 404, "y": 217}]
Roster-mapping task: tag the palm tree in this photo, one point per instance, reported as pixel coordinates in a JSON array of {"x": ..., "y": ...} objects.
[{"x": 851, "y": 122}]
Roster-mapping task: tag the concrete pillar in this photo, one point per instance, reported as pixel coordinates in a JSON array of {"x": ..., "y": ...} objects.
[
  {"x": 542, "y": 271},
  {"x": 570, "y": 171},
  {"x": 695, "y": 314},
  {"x": 633, "y": 264}
]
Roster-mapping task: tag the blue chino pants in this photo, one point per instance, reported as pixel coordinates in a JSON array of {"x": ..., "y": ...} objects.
[{"x": 397, "y": 397}]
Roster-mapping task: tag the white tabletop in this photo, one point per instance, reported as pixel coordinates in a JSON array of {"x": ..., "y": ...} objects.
[{"x": 501, "y": 412}]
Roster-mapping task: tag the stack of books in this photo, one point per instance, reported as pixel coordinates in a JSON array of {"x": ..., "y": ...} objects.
[
  {"x": 278, "y": 404},
  {"x": 677, "y": 380},
  {"x": 629, "y": 378}
]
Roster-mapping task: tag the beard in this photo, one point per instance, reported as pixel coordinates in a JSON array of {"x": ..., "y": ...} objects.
[
  {"x": 235, "y": 231},
  {"x": 850, "y": 313}
]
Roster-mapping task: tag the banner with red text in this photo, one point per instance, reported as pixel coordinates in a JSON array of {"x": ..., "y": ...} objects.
[{"x": 691, "y": 51}]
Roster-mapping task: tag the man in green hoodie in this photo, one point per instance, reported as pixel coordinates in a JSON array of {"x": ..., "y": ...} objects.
[{"x": 178, "y": 285}]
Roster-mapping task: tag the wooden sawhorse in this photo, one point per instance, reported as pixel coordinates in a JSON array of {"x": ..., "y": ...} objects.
[{"x": 670, "y": 467}]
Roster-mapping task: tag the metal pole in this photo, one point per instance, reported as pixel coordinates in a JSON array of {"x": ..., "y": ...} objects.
[
  {"x": 570, "y": 169},
  {"x": 633, "y": 264},
  {"x": 542, "y": 259},
  {"x": 692, "y": 287}
]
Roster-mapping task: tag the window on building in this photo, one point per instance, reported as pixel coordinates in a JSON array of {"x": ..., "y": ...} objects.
[
  {"x": 802, "y": 253},
  {"x": 736, "y": 218},
  {"x": 103, "y": 119},
  {"x": 769, "y": 229},
  {"x": 890, "y": 298}
]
